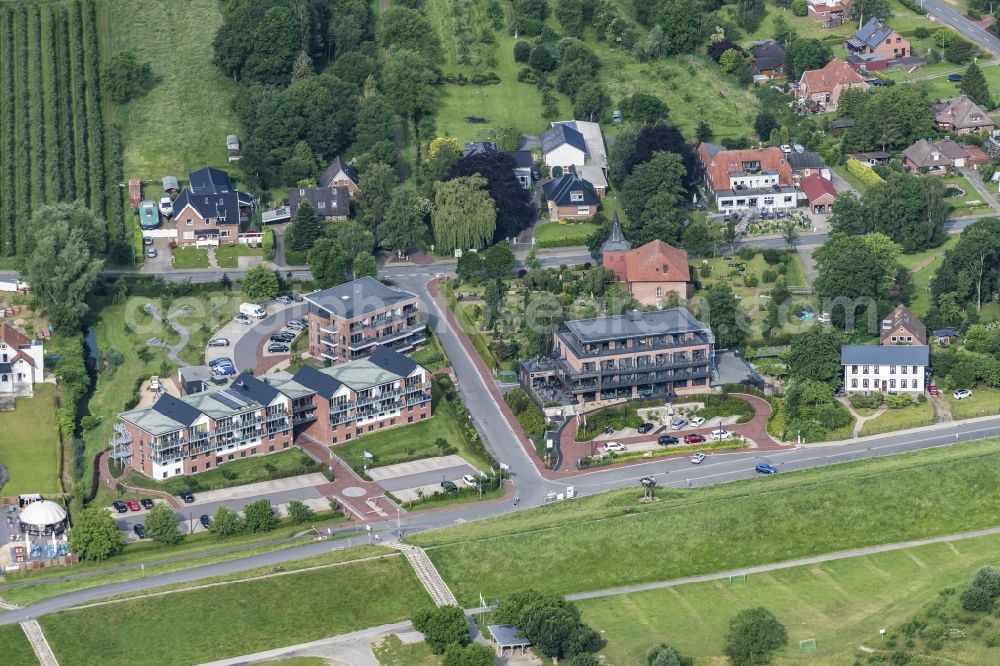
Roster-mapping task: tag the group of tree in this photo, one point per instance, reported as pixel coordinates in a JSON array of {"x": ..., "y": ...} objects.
[
  {"x": 970, "y": 272},
  {"x": 908, "y": 209},
  {"x": 801, "y": 54},
  {"x": 892, "y": 117},
  {"x": 551, "y": 623},
  {"x": 125, "y": 77}
]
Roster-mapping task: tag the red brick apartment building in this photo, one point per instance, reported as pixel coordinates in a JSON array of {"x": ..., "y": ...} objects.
[
  {"x": 257, "y": 416},
  {"x": 346, "y": 322}
]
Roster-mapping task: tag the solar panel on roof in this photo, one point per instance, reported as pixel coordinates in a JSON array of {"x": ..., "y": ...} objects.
[{"x": 230, "y": 400}]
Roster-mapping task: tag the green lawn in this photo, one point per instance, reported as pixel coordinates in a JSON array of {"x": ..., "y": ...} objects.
[
  {"x": 920, "y": 414},
  {"x": 554, "y": 234},
  {"x": 227, "y": 621},
  {"x": 182, "y": 123},
  {"x": 411, "y": 442},
  {"x": 16, "y": 648},
  {"x": 391, "y": 651},
  {"x": 748, "y": 522},
  {"x": 984, "y": 401},
  {"x": 236, "y": 473},
  {"x": 921, "y": 303},
  {"x": 29, "y": 447},
  {"x": 842, "y": 604},
  {"x": 228, "y": 255},
  {"x": 969, "y": 203},
  {"x": 190, "y": 257}
]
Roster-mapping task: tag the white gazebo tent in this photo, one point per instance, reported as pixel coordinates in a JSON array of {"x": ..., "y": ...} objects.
[{"x": 43, "y": 518}]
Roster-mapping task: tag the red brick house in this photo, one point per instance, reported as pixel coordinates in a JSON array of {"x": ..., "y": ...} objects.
[
  {"x": 823, "y": 86},
  {"x": 570, "y": 197},
  {"x": 651, "y": 272},
  {"x": 340, "y": 174},
  {"x": 208, "y": 212},
  {"x": 877, "y": 38},
  {"x": 820, "y": 192},
  {"x": 902, "y": 327}
]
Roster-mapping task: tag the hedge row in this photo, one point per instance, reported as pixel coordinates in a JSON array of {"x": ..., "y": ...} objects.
[
  {"x": 95, "y": 120},
  {"x": 24, "y": 146},
  {"x": 37, "y": 111},
  {"x": 119, "y": 233},
  {"x": 80, "y": 105},
  {"x": 7, "y": 233},
  {"x": 913, "y": 7},
  {"x": 66, "y": 128},
  {"x": 864, "y": 173},
  {"x": 53, "y": 128}
]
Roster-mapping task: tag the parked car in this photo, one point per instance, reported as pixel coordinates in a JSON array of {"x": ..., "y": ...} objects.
[
  {"x": 644, "y": 428},
  {"x": 615, "y": 447},
  {"x": 666, "y": 440},
  {"x": 694, "y": 439},
  {"x": 253, "y": 310},
  {"x": 282, "y": 337},
  {"x": 277, "y": 348},
  {"x": 678, "y": 423},
  {"x": 284, "y": 300},
  {"x": 133, "y": 505},
  {"x": 146, "y": 503},
  {"x": 224, "y": 371},
  {"x": 470, "y": 481},
  {"x": 151, "y": 253},
  {"x": 297, "y": 298},
  {"x": 720, "y": 434},
  {"x": 961, "y": 394},
  {"x": 205, "y": 520},
  {"x": 147, "y": 240},
  {"x": 216, "y": 362},
  {"x": 218, "y": 342},
  {"x": 120, "y": 506},
  {"x": 187, "y": 497},
  {"x": 697, "y": 458},
  {"x": 140, "y": 530},
  {"x": 295, "y": 325},
  {"x": 766, "y": 468},
  {"x": 241, "y": 318},
  {"x": 449, "y": 486},
  {"x": 933, "y": 390},
  {"x": 824, "y": 318},
  {"x": 697, "y": 422}
]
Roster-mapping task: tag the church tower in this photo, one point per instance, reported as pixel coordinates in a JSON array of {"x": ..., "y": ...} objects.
[{"x": 614, "y": 250}]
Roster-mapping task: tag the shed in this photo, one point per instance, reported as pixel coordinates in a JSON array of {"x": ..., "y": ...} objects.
[
  {"x": 233, "y": 148},
  {"x": 170, "y": 185},
  {"x": 506, "y": 636},
  {"x": 283, "y": 214},
  {"x": 134, "y": 193}
]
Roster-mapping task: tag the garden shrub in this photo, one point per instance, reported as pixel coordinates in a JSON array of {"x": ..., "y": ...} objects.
[
  {"x": 768, "y": 275},
  {"x": 705, "y": 270},
  {"x": 899, "y": 401},
  {"x": 746, "y": 253},
  {"x": 774, "y": 256},
  {"x": 799, "y": 7},
  {"x": 864, "y": 173},
  {"x": 866, "y": 401},
  {"x": 832, "y": 416},
  {"x": 750, "y": 280}
]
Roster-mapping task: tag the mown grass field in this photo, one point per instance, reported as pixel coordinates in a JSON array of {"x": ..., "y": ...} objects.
[
  {"x": 842, "y": 604},
  {"x": 247, "y": 470},
  {"x": 554, "y": 234},
  {"x": 182, "y": 123},
  {"x": 702, "y": 530},
  {"x": 920, "y": 414},
  {"x": 16, "y": 648},
  {"x": 190, "y": 257},
  {"x": 29, "y": 447},
  {"x": 984, "y": 401},
  {"x": 226, "y": 621}
]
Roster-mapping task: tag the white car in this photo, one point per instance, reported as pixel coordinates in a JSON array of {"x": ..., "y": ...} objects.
[
  {"x": 614, "y": 447},
  {"x": 824, "y": 318},
  {"x": 697, "y": 458},
  {"x": 470, "y": 481},
  {"x": 720, "y": 434},
  {"x": 962, "y": 393},
  {"x": 697, "y": 421},
  {"x": 678, "y": 423}
]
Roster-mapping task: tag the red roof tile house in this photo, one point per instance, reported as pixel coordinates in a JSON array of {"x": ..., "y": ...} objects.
[
  {"x": 823, "y": 86},
  {"x": 829, "y": 13},
  {"x": 820, "y": 192},
  {"x": 651, "y": 272},
  {"x": 902, "y": 327},
  {"x": 745, "y": 179}
]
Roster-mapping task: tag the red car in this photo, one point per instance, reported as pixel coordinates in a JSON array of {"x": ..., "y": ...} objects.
[
  {"x": 932, "y": 389},
  {"x": 133, "y": 505},
  {"x": 693, "y": 439}
]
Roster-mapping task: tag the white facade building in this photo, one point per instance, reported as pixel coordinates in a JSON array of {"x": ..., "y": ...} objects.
[
  {"x": 886, "y": 369},
  {"x": 22, "y": 362}
]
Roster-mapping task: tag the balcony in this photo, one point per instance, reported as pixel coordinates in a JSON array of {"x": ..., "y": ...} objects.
[
  {"x": 387, "y": 340},
  {"x": 299, "y": 419},
  {"x": 328, "y": 340},
  {"x": 329, "y": 331},
  {"x": 332, "y": 357},
  {"x": 581, "y": 351}
]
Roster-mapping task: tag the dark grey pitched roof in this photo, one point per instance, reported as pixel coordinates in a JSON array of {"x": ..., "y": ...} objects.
[
  {"x": 175, "y": 409},
  {"x": 841, "y": 123},
  {"x": 873, "y": 33},
  {"x": 522, "y": 158},
  {"x": 476, "y": 147},
  {"x": 352, "y": 299},
  {"x": 559, "y": 191},
  {"x": 392, "y": 361},
  {"x": 883, "y": 355},
  {"x": 767, "y": 55},
  {"x": 327, "y": 201},
  {"x": 336, "y": 166},
  {"x": 248, "y": 386},
  {"x": 322, "y": 383},
  {"x": 222, "y": 206},
  {"x": 210, "y": 180},
  {"x": 633, "y": 323},
  {"x": 616, "y": 241},
  {"x": 559, "y": 134},
  {"x": 804, "y": 160}
]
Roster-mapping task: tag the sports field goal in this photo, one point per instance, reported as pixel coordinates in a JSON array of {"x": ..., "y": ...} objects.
[
  {"x": 808, "y": 645},
  {"x": 738, "y": 578}
]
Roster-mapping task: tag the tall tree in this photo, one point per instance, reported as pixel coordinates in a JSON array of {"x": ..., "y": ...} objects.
[
  {"x": 852, "y": 277},
  {"x": 725, "y": 317},
  {"x": 364, "y": 266},
  {"x": 908, "y": 209},
  {"x": 275, "y": 41},
  {"x": 404, "y": 28},
  {"x": 815, "y": 354},
  {"x": 354, "y": 239},
  {"x": 749, "y": 14},
  {"x": 408, "y": 80},
  {"x": 865, "y": 10},
  {"x": 754, "y": 635},
  {"x": 260, "y": 284},
  {"x": 975, "y": 86},
  {"x": 764, "y": 124},
  {"x": 62, "y": 272},
  {"x": 661, "y": 138},
  {"x": 654, "y": 187},
  {"x": 375, "y": 188},
  {"x": 848, "y": 216},
  {"x": 465, "y": 216},
  {"x": 498, "y": 261},
  {"x": 162, "y": 524},
  {"x": 643, "y": 108},
  {"x": 327, "y": 264},
  {"x": 403, "y": 226},
  {"x": 306, "y": 229},
  {"x": 95, "y": 535},
  {"x": 515, "y": 205}
]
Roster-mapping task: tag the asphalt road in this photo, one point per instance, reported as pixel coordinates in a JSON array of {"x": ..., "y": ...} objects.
[{"x": 948, "y": 15}]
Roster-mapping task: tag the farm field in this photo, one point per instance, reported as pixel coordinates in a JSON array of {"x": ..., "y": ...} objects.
[
  {"x": 29, "y": 447},
  {"x": 52, "y": 131},
  {"x": 200, "y": 625},
  {"x": 182, "y": 123},
  {"x": 791, "y": 515},
  {"x": 841, "y": 604}
]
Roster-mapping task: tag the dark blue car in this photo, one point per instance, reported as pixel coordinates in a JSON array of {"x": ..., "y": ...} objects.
[{"x": 766, "y": 468}]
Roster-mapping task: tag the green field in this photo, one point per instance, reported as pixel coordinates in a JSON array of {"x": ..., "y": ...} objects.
[
  {"x": 226, "y": 621},
  {"x": 190, "y": 257},
  {"x": 984, "y": 401},
  {"x": 970, "y": 203},
  {"x": 29, "y": 447},
  {"x": 228, "y": 255},
  {"x": 842, "y": 604},
  {"x": 920, "y": 414},
  {"x": 554, "y": 234},
  {"x": 182, "y": 123},
  {"x": 16, "y": 648},
  {"x": 391, "y": 651},
  {"x": 703, "y": 530}
]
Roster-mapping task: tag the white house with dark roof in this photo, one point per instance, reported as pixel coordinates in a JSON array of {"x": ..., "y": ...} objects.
[
  {"x": 886, "y": 369},
  {"x": 22, "y": 362},
  {"x": 579, "y": 144}
]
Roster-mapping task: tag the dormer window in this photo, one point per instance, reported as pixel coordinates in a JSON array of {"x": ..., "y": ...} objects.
[
  {"x": 302, "y": 192},
  {"x": 321, "y": 205},
  {"x": 576, "y": 195}
]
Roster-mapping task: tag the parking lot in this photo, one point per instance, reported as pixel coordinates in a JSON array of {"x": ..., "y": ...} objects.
[
  {"x": 253, "y": 333},
  {"x": 410, "y": 479}
]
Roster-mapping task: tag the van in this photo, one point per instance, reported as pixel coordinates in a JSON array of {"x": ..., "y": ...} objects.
[{"x": 252, "y": 310}]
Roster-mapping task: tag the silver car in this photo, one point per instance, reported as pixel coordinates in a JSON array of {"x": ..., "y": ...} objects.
[{"x": 678, "y": 423}]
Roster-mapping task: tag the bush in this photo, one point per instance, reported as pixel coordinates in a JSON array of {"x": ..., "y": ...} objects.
[
  {"x": 260, "y": 516},
  {"x": 522, "y": 51},
  {"x": 746, "y": 253},
  {"x": 977, "y": 600},
  {"x": 864, "y": 173},
  {"x": 768, "y": 275},
  {"x": 916, "y": 9},
  {"x": 442, "y": 627},
  {"x": 705, "y": 270},
  {"x": 750, "y": 280},
  {"x": 299, "y": 512},
  {"x": 800, "y": 8},
  {"x": 832, "y": 416},
  {"x": 774, "y": 256},
  {"x": 899, "y": 401},
  {"x": 921, "y": 33},
  {"x": 866, "y": 401}
]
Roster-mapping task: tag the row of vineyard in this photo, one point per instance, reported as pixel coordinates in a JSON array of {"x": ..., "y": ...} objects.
[{"x": 52, "y": 132}]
